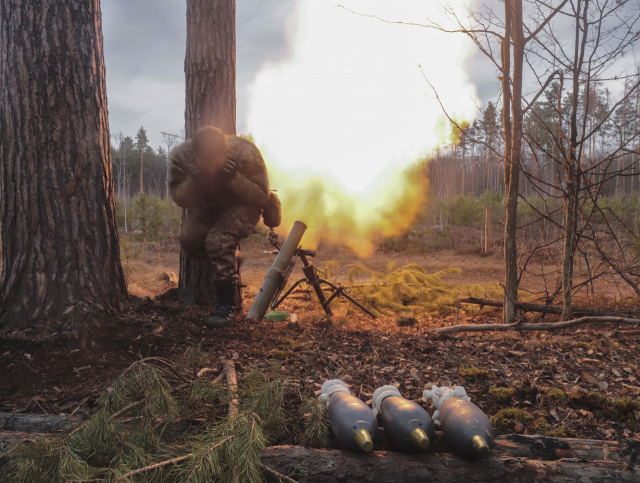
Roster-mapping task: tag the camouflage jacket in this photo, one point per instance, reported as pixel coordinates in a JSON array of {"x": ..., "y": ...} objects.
[{"x": 190, "y": 186}]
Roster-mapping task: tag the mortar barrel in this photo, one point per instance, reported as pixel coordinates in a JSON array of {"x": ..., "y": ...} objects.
[{"x": 274, "y": 276}]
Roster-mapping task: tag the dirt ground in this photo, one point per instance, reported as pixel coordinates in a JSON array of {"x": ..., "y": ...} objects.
[{"x": 64, "y": 376}]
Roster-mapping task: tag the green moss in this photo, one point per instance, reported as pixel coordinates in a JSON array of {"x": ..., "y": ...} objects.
[
  {"x": 626, "y": 405},
  {"x": 556, "y": 394},
  {"x": 502, "y": 395},
  {"x": 560, "y": 432},
  {"x": 592, "y": 401},
  {"x": 538, "y": 427},
  {"x": 505, "y": 418},
  {"x": 287, "y": 342},
  {"x": 581, "y": 345},
  {"x": 472, "y": 373},
  {"x": 518, "y": 346}
]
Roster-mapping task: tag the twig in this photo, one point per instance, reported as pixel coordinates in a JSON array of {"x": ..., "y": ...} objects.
[
  {"x": 218, "y": 378},
  {"x": 162, "y": 464},
  {"x": 126, "y": 408},
  {"x": 232, "y": 382},
  {"x": 276, "y": 474}
]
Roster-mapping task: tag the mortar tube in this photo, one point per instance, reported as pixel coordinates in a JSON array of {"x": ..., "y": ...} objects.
[{"x": 274, "y": 276}]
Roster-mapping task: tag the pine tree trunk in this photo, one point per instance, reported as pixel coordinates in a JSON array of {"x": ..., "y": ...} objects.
[
  {"x": 60, "y": 243},
  {"x": 210, "y": 71}
]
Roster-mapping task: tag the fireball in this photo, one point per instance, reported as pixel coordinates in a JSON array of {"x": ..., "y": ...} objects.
[{"x": 346, "y": 120}]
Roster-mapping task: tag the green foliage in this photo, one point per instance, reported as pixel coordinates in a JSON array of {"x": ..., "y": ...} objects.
[
  {"x": 148, "y": 215},
  {"x": 316, "y": 422},
  {"x": 228, "y": 449},
  {"x": 502, "y": 395},
  {"x": 227, "y": 452},
  {"x": 265, "y": 398},
  {"x": 505, "y": 418}
]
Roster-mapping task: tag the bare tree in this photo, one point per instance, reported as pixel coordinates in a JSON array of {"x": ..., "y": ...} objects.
[{"x": 60, "y": 242}]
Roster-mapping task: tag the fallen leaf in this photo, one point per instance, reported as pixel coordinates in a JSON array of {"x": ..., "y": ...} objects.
[
  {"x": 28, "y": 356},
  {"x": 628, "y": 369},
  {"x": 616, "y": 372},
  {"x": 158, "y": 329},
  {"x": 554, "y": 414},
  {"x": 603, "y": 385}
]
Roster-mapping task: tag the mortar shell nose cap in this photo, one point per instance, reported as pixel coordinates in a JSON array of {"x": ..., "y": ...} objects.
[
  {"x": 420, "y": 438},
  {"x": 480, "y": 446},
  {"x": 363, "y": 439}
]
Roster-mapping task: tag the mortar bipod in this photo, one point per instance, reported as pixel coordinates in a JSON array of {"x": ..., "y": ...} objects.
[{"x": 311, "y": 278}]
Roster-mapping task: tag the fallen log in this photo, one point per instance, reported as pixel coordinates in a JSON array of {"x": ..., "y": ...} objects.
[
  {"x": 38, "y": 423},
  {"x": 19, "y": 427},
  {"x": 547, "y": 309},
  {"x": 518, "y": 326},
  {"x": 514, "y": 458},
  {"x": 307, "y": 465}
]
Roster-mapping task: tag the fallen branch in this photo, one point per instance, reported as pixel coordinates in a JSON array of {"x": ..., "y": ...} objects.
[
  {"x": 232, "y": 382},
  {"x": 546, "y": 309},
  {"x": 518, "y": 326}
]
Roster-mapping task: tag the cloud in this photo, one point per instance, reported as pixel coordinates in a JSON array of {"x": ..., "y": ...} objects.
[{"x": 144, "y": 43}]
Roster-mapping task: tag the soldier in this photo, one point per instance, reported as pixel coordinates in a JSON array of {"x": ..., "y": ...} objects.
[{"x": 223, "y": 184}]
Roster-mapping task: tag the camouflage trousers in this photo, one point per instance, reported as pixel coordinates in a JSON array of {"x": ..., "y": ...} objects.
[{"x": 214, "y": 234}]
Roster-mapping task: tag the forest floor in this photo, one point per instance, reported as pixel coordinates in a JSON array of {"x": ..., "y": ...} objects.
[{"x": 580, "y": 383}]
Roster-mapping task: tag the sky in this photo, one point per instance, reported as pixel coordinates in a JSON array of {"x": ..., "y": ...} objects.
[
  {"x": 309, "y": 74},
  {"x": 318, "y": 86}
]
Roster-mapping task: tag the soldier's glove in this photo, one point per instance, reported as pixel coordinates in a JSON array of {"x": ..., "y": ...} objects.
[{"x": 229, "y": 167}]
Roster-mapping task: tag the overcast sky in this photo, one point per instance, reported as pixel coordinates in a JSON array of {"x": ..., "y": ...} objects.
[{"x": 144, "y": 43}]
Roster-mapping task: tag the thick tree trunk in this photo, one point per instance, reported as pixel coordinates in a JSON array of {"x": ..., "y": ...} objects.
[
  {"x": 60, "y": 242},
  {"x": 210, "y": 71}
]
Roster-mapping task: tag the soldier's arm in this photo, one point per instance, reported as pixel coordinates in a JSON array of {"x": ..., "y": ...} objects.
[
  {"x": 182, "y": 186},
  {"x": 247, "y": 172},
  {"x": 252, "y": 188}
]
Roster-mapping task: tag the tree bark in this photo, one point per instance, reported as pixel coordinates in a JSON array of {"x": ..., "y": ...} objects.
[
  {"x": 61, "y": 259},
  {"x": 514, "y": 33},
  {"x": 210, "y": 71},
  {"x": 307, "y": 465}
]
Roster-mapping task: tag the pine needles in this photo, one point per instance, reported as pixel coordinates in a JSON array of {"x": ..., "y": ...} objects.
[
  {"x": 316, "y": 422},
  {"x": 410, "y": 288},
  {"x": 123, "y": 441}
]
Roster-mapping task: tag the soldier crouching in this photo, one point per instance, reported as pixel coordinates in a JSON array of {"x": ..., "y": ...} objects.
[{"x": 223, "y": 184}]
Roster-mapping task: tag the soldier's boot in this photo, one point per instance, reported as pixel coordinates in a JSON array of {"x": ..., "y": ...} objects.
[{"x": 227, "y": 307}]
